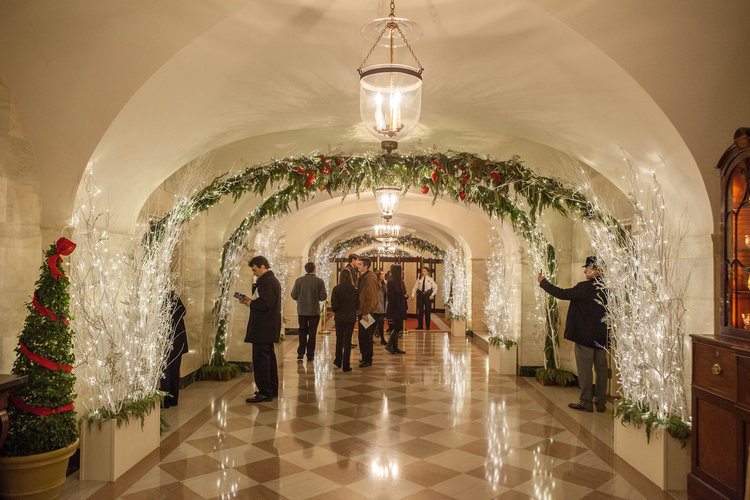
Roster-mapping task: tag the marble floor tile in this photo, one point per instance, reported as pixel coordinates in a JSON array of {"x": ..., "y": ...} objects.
[{"x": 435, "y": 423}]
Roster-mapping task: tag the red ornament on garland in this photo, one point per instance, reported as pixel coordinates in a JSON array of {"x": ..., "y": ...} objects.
[
  {"x": 425, "y": 189},
  {"x": 495, "y": 176},
  {"x": 309, "y": 180},
  {"x": 327, "y": 170},
  {"x": 462, "y": 195},
  {"x": 435, "y": 176},
  {"x": 464, "y": 180}
]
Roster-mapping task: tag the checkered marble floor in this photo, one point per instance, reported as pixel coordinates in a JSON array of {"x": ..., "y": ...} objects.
[{"x": 434, "y": 423}]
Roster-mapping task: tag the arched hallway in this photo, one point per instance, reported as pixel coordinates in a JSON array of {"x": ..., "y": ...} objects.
[{"x": 434, "y": 423}]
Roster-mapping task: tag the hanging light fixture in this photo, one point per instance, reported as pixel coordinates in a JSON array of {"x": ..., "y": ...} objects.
[
  {"x": 390, "y": 94},
  {"x": 387, "y": 198},
  {"x": 387, "y": 233}
]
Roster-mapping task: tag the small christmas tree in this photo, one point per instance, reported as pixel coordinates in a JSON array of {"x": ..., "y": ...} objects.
[{"x": 41, "y": 413}]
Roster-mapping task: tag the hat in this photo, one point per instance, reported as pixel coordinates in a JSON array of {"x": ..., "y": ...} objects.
[{"x": 591, "y": 262}]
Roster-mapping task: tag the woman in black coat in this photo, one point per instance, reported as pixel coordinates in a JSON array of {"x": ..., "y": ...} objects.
[
  {"x": 396, "y": 309},
  {"x": 170, "y": 381},
  {"x": 344, "y": 307}
]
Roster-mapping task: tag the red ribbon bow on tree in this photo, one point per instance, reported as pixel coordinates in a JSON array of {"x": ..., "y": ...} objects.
[{"x": 63, "y": 247}]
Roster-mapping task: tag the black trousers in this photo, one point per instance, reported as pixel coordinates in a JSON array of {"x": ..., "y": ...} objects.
[
  {"x": 365, "y": 342},
  {"x": 379, "y": 323},
  {"x": 343, "y": 353},
  {"x": 397, "y": 329},
  {"x": 308, "y": 329},
  {"x": 265, "y": 370},
  {"x": 424, "y": 308},
  {"x": 170, "y": 382}
]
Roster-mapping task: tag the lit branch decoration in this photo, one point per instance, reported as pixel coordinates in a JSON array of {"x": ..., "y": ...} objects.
[{"x": 645, "y": 311}]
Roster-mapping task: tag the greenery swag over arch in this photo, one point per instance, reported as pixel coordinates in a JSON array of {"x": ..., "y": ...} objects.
[{"x": 506, "y": 189}]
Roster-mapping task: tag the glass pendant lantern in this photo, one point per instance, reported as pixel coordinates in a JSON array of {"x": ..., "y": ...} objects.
[{"x": 390, "y": 95}]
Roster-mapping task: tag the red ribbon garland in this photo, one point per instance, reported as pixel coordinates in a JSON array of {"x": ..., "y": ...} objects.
[
  {"x": 42, "y": 361},
  {"x": 40, "y": 411},
  {"x": 63, "y": 247},
  {"x": 46, "y": 312}
]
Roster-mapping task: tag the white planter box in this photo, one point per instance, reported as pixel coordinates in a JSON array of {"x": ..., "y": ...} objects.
[
  {"x": 503, "y": 361},
  {"x": 662, "y": 459},
  {"x": 108, "y": 452},
  {"x": 458, "y": 327}
]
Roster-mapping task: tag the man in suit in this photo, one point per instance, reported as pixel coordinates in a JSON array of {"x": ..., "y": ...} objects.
[
  {"x": 424, "y": 289},
  {"x": 308, "y": 291},
  {"x": 585, "y": 326},
  {"x": 170, "y": 381},
  {"x": 264, "y": 329}
]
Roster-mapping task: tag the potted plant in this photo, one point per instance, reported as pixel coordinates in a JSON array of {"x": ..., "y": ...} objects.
[{"x": 43, "y": 432}]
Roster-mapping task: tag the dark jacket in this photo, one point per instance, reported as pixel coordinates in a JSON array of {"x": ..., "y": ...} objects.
[
  {"x": 344, "y": 303},
  {"x": 349, "y": 272},
  {"x": 308, "y": 291},
  {"x": 179, "y": 333},
  {"x": 367, "y": 300},
  {"x": 264, "y": 325},
  {"x": 396, "y": 309},
  {"x": 584, "y": 324}
]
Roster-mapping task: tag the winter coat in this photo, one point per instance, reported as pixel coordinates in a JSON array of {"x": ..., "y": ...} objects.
[
  {"x": 397, "y": 305},
  {"x": 264, "y": 325},
  {"x": 179, "y": 332},
  {"x": 584, "y": 324},
  {"x": 368, "y": 293},
  {"x": 308, "y": 291},
  {"x": 344, "y": 303}
]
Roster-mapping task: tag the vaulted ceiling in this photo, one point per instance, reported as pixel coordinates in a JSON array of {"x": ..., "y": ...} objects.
[{"x": 139, "y": 88}]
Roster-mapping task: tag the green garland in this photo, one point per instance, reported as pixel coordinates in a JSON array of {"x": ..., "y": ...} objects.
[
  {"x": 495, "y": 186},
  {"x": 133, "y": 408},
  {"x": 631, "y": 413},
  {"x": 407, "y": 240},
  {"x": 497, "y": 341}
]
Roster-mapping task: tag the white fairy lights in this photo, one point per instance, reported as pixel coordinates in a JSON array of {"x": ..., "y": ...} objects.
[
  {"x": 120, "y": 306},
  {"x": 645, "y": 307},
  {"x": 497, "y": 315}
]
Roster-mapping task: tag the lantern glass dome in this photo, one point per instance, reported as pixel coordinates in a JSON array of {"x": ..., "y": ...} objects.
[
  {"x": 390, "y": 100},
  {"x": 387, "y": 198}
]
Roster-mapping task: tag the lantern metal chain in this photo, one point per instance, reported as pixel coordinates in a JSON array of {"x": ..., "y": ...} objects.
[{"x": 391, "y": 25}]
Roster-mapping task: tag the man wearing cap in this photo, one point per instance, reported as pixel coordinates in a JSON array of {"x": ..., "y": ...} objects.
[{"x": 585, "y": 326}]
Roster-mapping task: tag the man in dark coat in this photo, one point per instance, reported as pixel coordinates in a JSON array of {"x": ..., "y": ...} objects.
[
  {"x": 264, "y": 328},
  {"x": 367, "y": 301},
  {"x": 585, "y": 326},
  {"x": 308, "y": 291},
  {"x": 170, "y": 381}
]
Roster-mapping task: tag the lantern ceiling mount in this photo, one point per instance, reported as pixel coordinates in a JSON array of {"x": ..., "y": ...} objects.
[{"x": 390, "y": 96}]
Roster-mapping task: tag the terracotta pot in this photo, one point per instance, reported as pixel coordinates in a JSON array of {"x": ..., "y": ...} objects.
[{"x": 34, "y": 477}]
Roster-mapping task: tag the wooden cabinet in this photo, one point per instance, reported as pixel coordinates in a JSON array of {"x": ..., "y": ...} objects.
[{"x": 721, "y": 363}]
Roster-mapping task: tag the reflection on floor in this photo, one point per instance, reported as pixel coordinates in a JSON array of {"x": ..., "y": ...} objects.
[{"x": 434, "y": 423}]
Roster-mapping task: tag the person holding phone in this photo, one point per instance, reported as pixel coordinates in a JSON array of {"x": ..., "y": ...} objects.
[{"x": 264, "y": 329}]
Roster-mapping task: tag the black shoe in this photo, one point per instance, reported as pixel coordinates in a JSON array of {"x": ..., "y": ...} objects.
[
  {"x": 389, "y": 349},
  {"x": 310, "y": 360},
  {"x": 580, "y": 407},
  {"x": 259, "y": 398},
  {"x": 419, "y": 327},
  {"x": 337, "y": 364},
  {"x": 299, "y": 358},
  {"x": 347, "y": 369},
  {"x": 601, "y": 410},
  {"x": 399, "y": 351},
  {"x": 365, "y": 365},
  {"x": 383, "y": 342}
]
